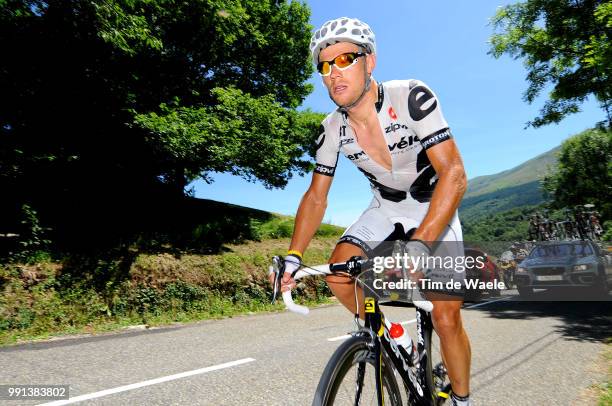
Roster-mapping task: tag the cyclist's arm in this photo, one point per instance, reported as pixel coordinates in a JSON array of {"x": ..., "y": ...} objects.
[
  {"x": 310, "y": 212},
  {"x": 448, "y": 192},
  {"x": 432, "y": 129}
]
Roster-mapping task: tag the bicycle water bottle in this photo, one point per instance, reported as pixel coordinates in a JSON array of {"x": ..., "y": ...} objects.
[{"x": 402, "y": 338}]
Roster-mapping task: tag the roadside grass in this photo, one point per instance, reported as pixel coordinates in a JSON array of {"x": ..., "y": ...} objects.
[
  {"x": 605, "y": 397},
  {"x": 93, "y": 295}
]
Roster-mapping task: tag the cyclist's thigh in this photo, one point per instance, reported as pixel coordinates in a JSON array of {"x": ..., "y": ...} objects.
[
  {"x": 360, "y": 239},
  {"x": 373, "y": 226},
  {"x": 343, "y": 287},
  {"x": 342, "y": 253}
]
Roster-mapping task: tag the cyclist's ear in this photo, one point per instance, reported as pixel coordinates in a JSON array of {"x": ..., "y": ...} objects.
[{"x": 370, "y": 63}]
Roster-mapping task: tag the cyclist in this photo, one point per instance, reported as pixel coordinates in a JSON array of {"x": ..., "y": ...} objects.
[{"x": 397, "y": 136}]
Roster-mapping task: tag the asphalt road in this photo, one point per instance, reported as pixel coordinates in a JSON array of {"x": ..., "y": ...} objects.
[{"x": 524, "y": 353}]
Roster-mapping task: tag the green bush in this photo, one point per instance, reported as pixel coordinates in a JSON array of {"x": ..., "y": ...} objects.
[
  {"x": 88, "y": 293},
  {"x": 282, "y": 227},
  {"x": 183, "y": 296},
  {"x": 32, "y": 242},
  {"x": 607, "y": 226}
]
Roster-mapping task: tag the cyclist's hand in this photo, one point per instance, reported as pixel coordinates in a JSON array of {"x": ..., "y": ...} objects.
[
  {"x": 417, "y": 253},
  {"x": 292, "y": 264}
]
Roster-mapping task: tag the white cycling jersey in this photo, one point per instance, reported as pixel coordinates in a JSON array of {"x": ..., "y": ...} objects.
[{"x": 412, "y": 122}]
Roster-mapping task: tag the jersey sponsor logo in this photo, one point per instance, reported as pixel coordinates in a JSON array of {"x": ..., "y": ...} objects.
[
  {"x": 423, "y": 186},
  {"x": 436, "y": 138},
  {"x": 394, "y": 127},
  {"x": 403, "y": 143},
  {"x": 356, "y": 156},
  {"x": 342, "y": 131},
  {"x": 355, "y": 241},
  {"x": 325, "y": 170},
  {"x": 392, "y": 113},
  {"x": 417, "y": 98}
]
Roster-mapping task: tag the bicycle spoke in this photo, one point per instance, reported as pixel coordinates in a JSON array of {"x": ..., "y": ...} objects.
[
  {"x": 357, "y": 386},
  {"x": 359, "y": 382},
  {"x": 358, "y": 389}
]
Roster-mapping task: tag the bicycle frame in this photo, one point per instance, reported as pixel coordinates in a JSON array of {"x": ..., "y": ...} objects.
[
  {"x": 419, "y": 393},
  {"x": 376, "y": 330}
]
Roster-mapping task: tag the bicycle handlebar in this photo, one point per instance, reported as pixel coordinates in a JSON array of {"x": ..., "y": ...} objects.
[
  {"x": 352, "y": 266},
  {"x": 290, "y": 304}
]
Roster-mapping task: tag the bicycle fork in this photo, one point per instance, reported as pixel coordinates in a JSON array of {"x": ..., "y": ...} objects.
[{"x": 374, "y": 322}]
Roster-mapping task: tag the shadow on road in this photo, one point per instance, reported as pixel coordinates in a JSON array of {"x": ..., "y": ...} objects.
[{"x": 583, "y": 321}]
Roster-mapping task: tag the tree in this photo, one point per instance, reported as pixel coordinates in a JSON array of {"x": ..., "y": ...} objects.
[
  {"x": 111, "y": 102},
  {"x": 253, "y": 137},
  {"x": 565, "y": 43},
  {"x": 584, "y": 173}
]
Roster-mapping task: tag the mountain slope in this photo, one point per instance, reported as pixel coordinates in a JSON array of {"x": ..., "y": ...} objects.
[
  {"x": 527, "y": 172},
  {"x": 508, "y": 189}
]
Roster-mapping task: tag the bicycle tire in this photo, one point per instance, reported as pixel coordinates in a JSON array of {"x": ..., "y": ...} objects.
[
  {"x": 436, "y": 377},
  {"x": 350, "y": 354}
]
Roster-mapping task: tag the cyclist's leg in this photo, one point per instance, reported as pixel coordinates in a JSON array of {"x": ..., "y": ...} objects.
[
  {"x": 359, "y": 238},
  {"x": 455, "y": 345},
  {"x": 343, "y": 287},
  {"x": 446, "y": 314}
]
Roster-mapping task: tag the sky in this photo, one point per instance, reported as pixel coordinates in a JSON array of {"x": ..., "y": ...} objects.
[{"x": 444, "y": 44}]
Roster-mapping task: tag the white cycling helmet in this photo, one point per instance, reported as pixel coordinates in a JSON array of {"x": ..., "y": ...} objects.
[{"x": 343, "y": 29}]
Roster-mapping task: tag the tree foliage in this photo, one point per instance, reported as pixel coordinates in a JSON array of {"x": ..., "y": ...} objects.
[
  {"x": 508, "y": 225},
  {"x": 253, "y": 137},
  {"x": 584, "y": 173},
  {"x": 564, "y": 43},
  {"x": 107, "y": 101}
]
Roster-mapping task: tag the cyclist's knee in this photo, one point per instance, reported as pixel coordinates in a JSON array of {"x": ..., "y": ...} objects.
[
  {"x": 344, "y": 251},
  {"x": 339, "y": 282},
  {"x": 446, "y": 318},
  {"x": 342, "y": 286}
]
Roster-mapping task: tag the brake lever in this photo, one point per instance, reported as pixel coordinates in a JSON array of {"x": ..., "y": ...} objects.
[{"x": 278, "y": 267}]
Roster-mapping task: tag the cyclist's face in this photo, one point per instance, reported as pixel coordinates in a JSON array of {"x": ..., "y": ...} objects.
[{"x": 344, "y": 86}]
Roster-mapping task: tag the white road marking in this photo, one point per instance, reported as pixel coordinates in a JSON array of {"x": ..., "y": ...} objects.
[
  {"x": 344, "y": 337},
  {"x": 505, "y": 299},
  {"x": 147, "y": 383}
]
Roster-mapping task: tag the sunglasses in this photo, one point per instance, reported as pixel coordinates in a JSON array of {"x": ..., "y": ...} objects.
[{"x": 342, "y": 62}]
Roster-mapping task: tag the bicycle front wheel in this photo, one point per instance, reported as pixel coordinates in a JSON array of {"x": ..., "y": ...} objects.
[{"x": 350, "y": 377}]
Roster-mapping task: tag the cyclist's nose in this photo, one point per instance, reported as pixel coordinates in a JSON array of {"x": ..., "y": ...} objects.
[{"x": 335, "y": 72}]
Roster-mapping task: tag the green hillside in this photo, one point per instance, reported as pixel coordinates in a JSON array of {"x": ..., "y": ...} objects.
[
  {"x": 516, "y": 187},
  {"x": 477, "y": 207},
  {"x": 527, "y": 172}
]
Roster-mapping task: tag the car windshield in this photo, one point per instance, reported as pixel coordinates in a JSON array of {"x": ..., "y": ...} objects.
[{"x": 561, "y": 250}]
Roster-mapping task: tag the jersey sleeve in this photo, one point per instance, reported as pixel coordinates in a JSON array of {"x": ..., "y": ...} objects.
[
  {"x": 426, "y": 115},
  {"x": 327, "y": 152}
]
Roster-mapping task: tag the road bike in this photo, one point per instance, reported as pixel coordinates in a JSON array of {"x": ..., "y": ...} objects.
[{"x": 364, "y": 370}]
